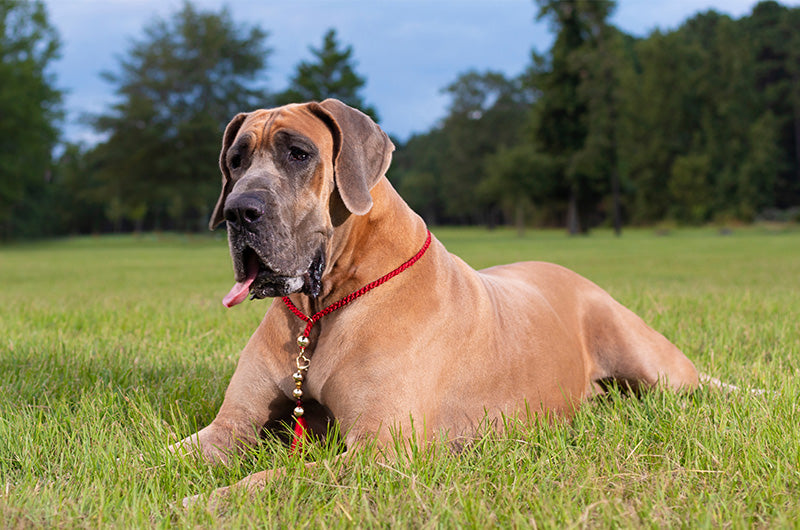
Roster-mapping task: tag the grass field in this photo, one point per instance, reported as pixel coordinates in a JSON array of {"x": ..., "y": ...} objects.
[{"x": 113, "y": 347}]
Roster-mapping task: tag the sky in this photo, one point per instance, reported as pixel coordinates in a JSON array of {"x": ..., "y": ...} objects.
[{"x": 408, "y": 50}]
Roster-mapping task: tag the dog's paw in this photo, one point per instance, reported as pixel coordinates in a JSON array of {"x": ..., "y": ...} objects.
[
  {"x": 190, "y": 501},
  {"x": 190, "y": 447},
  {"x": 213, "y": 445},
  {"x": 214, "y": 502}
]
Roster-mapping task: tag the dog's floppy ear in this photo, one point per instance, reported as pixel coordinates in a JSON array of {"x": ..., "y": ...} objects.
[
  {"x": 362, "y": 152},
  {"x": 227, "y": 139}
]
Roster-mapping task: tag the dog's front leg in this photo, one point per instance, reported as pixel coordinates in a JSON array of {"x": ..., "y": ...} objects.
[
  {"x": 253, "y": 398},
  {"x": 253, "y": 484}
]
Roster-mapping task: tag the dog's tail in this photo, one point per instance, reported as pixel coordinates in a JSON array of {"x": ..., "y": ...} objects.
[{"x": 707, "y": 381}]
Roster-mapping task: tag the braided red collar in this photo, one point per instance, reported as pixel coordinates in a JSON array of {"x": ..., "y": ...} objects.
[{"x": 303, "y": 341}]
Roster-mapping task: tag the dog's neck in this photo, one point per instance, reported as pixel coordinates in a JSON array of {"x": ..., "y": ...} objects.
[{"x": 364, "y": 248}]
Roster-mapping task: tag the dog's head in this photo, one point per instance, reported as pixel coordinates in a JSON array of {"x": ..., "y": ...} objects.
[{"x": 290, "y": 175}]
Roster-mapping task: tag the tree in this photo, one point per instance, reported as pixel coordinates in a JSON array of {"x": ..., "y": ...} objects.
[
  {"x": 697, "y": 140},
  {"x": 661, "y": 119},
  {"x": 78, "y": 208},
  {"x": 487, "y": 112},
  {"x": 330, "y": 75},
  {"x": 757, "y": 175},
  {"x": 416, "y": 171},
  {"x": 177, "y": 88},
  {"x": 603, "y": 64},
  {"x": 690, "y": 187},
  {"x": 791, "y": 23},
  {"x": 774, "y": 28},
  {"x": 440, "y": 172},
  {"x": 521, "y": 180},
  {"x": 30, "y": 110},
  {"x": 561, "y": 126},
  {"x": 697, "y": 124}
]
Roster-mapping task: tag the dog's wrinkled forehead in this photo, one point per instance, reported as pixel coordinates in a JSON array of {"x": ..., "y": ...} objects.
[{"x": 261, "y": 126}]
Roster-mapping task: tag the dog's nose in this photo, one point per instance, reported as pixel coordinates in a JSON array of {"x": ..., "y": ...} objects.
[{"x": 243, "y": 211}]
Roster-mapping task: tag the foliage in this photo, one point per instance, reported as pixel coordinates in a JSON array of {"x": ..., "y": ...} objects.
[
  {"x": 693, "y": 125},
  {"x": 177, "y": 88},
  {"x": 522, "y": 181},
  {"x": 776, "y": 69},
  {"x": 330, "y": 75},
  {"x": 487, "y": 112},
  {"x": 29, "y": 113},
  {"x": 96, "y": 382},
  {"x": 562, "y": 127}
]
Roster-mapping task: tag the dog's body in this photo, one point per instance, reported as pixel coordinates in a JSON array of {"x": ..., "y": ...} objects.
[{"x": 435, "y": 351}]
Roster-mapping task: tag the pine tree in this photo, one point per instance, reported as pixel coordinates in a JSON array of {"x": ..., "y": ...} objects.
[{"x": 331, "y": 74}]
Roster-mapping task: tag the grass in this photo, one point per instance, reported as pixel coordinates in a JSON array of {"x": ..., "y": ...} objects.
[{"x": 113, "y": 347}]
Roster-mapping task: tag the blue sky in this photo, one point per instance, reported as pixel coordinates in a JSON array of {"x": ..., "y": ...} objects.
[{"x": 407, "y": 49}]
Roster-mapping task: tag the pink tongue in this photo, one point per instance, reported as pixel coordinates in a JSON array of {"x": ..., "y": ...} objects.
[{"x": 239, "y": 291}]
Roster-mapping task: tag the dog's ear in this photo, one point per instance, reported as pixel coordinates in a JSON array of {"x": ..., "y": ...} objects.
[
  {"x": 362, "y": 152},
  {"x": 227, "y": 139}
]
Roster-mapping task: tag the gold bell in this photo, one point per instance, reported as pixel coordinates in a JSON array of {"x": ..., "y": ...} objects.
[
  {"x": 297, "y": 393},
  {"x": 298, "y": 411},
  {"x": 303, "y": 341}
]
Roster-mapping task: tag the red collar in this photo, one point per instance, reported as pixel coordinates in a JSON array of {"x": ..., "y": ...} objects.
[{"x": 303, "y": 341}]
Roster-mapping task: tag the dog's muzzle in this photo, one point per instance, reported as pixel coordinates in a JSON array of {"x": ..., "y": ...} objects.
[{"x": 255, "y": 250}]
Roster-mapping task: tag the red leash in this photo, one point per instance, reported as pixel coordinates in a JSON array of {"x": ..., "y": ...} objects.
[{"x": 302, "y": 361}]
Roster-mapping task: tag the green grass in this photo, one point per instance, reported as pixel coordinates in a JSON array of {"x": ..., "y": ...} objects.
[{"x": 113, "y": 347}]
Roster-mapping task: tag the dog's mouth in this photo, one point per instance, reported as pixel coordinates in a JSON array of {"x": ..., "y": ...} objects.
[{"x": 261, "y": 281}]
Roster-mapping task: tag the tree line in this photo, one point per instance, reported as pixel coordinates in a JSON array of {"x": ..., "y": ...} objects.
[
  {"x": 699, "y": 124},
  {"x": 155, "y": 166}
]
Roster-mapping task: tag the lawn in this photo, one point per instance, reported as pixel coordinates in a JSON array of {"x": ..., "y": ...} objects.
[{"x": 113, "y": 347}]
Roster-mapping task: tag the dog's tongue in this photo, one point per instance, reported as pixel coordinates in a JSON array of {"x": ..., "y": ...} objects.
[{"x": 239, "y": 291}]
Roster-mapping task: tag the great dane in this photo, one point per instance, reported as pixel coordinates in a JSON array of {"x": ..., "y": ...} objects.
[{"x": 434, "y": 352}]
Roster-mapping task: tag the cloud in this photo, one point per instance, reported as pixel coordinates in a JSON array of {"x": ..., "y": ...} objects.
[{"x": 407, "y": 49}]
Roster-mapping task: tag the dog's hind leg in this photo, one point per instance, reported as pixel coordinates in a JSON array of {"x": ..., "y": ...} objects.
[{"x": 631, "y": 353}]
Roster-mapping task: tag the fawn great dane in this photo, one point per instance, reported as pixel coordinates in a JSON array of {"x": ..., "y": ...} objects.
[{"x": 432, "y": 352}]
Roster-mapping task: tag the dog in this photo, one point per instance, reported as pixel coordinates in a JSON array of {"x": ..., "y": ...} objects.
[{"x": 312, "y": 221}]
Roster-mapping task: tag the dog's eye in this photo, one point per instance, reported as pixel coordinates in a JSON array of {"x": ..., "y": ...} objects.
[
  {"x": 235, "y": 161},
  {"x": 297, "y": 154}
]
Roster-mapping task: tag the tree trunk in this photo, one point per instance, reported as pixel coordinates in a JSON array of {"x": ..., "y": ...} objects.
[
  {"x": 573, "y": 220},
  {"x": 797, "y": 138},
  {"x": 615, "y": 200}
]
